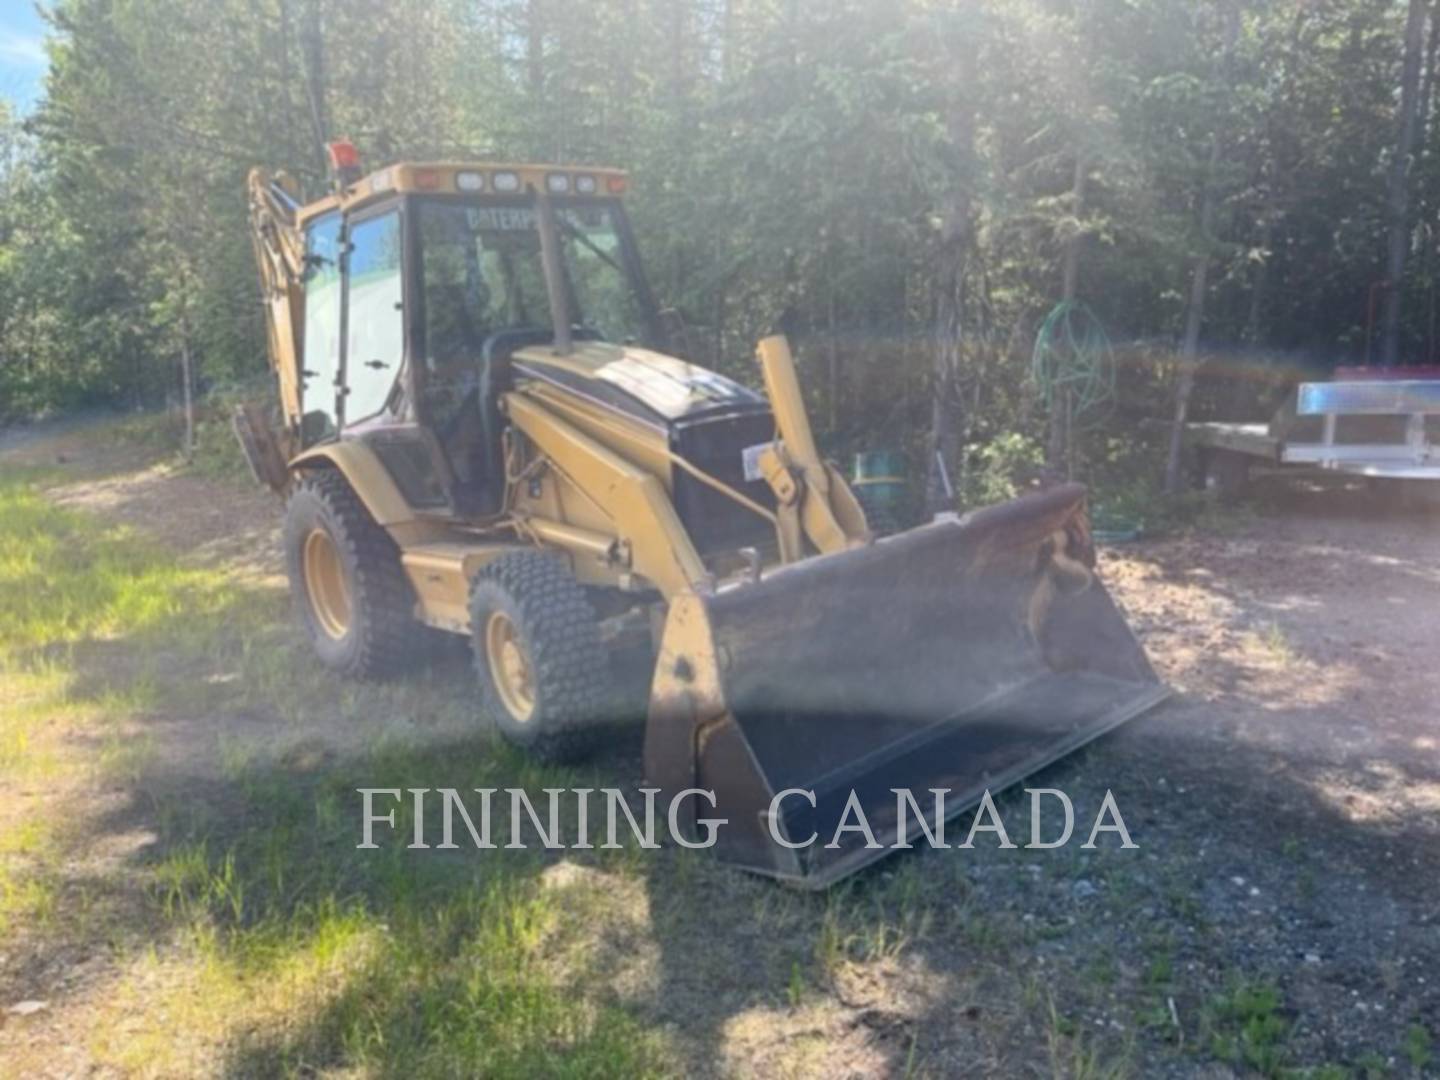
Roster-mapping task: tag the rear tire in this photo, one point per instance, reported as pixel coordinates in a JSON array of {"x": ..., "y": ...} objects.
[
  {"x": 351, "y": 595},
  {"x": 544, "y": 673}
]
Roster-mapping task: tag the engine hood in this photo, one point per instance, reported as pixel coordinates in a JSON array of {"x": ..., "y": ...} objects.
[{"x": 627, "y": 377}]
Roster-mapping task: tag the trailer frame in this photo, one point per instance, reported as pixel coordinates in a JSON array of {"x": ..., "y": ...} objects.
[{"x": 1347, "y": 413}]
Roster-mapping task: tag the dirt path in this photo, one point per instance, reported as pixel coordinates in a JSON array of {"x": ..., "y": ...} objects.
[
  {"x": 1280, "y": 913},
  {"x": 230, "y": 525}
]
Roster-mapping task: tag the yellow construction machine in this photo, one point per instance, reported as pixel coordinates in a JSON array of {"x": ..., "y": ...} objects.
[{"x": 484, "y": 430}]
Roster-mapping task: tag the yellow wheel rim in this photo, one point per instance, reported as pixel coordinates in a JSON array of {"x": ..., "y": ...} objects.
[
  {"x": 510, "y": 666},
  {"x": 325, "y": 584}
]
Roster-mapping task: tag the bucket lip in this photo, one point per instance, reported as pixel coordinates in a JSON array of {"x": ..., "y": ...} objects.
[
  {"x": 856, "y": 860},
  {"x": 1032, "y": 504}
]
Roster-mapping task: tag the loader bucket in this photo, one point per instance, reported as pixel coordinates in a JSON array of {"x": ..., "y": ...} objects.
[{"x": 961, "y": 655}]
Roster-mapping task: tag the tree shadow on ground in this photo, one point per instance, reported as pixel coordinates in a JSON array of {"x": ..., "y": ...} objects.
[{"x": 950, "y": 960}]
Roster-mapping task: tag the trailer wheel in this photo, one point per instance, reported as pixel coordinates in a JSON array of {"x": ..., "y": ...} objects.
[
  {"x": 351, "y": 596},
  {"x": 1226, "y": 473},
  {"x": 543, "y": 670}
]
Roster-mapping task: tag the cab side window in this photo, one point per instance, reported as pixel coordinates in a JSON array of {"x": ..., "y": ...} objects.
[
  {"x": 321, "y": 361},
  {"x": 375, "y": 344}
]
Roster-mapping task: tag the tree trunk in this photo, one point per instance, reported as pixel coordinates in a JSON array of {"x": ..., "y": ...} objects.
[
  {"x": 1199, "y": 279},
  {"x": 314, "y": 51},
  {"x": 1058, "y": 446},
  {"x": 187, "y": 381},
  {"x": 1261, "y": 279},
  {"x": 957, "y": 242},
  {"x": 832, "y": 356},
  {"x": 1070, "y": 277},
  {"x": 1194, "y": 315},
  {"x": 1427, "y": 81},
  {"x": 187, "y": 389},
  {"x": 956, "y": 239},
  {"x": 535, "y": 49},
  {"x": 728, "y": 25},
  {"x": 1400, "y": 183},
  {"x": 1241, "y": 392},
  {"x": 1423, "y": 170},
  {"x": 678, "y": 33},
  {"x": 286, "y": 80}
]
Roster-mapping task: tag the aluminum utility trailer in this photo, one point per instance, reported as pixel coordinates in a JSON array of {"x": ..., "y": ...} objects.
[{"x": 1382, "y": 423}]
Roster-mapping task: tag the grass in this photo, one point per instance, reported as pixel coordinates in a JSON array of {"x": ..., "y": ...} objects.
[
  {"x": 216, "y": 451},
  {"x": 1248, "y": 1028},
  {"x": 396, "y": 960},
  {"x": 278, "y": 940},
  {"x": 1418, "y": 1047},
  {"x": 65, "y": 580},
  {"x": 1276, "y": 644},
  {"x": 1073, "y": 1056}
]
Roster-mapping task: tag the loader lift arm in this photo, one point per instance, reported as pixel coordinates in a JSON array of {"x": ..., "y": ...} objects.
[{"x": 813, "y": 499}]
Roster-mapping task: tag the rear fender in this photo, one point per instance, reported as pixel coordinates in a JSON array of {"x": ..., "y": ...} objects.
[{"x": 367, "y": 477}]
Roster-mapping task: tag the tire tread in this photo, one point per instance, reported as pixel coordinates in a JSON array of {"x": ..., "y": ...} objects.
[
  {"x": 382, "y": 602},
  {"x": 569, "y": 661}
]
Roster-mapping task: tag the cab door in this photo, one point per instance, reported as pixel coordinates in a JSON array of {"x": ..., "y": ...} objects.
[
  {"x": 376, "y": 399},
  {"x": 374, "y": 316},
  {"x": 319, "y": 379}
]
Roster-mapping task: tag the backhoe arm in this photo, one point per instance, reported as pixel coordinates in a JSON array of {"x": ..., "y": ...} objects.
[{"x": 280, "y": 254}]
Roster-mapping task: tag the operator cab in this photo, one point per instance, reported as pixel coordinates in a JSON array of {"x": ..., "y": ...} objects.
[{"x": 422, "y": 281}]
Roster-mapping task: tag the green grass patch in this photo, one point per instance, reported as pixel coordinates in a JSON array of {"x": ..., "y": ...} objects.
[
  {"x": 216, "y": 451},
  {"x": 1418, "y": 1047},
  {"x": 395, "y": 959},
  {"x": 66, "y": 579},
  {"x": 1276, "y": 644},
  {"x": 296, "y": 950},
  {"x": 1248, "y": 1028}
]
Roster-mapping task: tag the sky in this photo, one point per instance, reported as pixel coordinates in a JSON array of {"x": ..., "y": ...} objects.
[{"x": 22, "y": 53}]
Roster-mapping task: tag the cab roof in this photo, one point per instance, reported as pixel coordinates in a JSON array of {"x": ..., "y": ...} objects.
[{"x": 474, "y": 178}]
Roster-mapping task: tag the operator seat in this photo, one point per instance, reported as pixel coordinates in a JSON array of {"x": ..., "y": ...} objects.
[{"x": 487, "y": 495}]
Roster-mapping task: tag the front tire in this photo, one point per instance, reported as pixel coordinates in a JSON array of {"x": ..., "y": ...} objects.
[
  {"x": 543, "y": 671},
  {"x": 351, "y": 596}
]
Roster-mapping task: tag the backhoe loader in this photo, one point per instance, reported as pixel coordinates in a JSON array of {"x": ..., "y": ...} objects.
[{"x": 484, "y": 430}]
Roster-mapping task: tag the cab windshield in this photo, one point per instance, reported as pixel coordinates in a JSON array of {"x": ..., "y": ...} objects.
[{"x": 483, "y": 275}]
